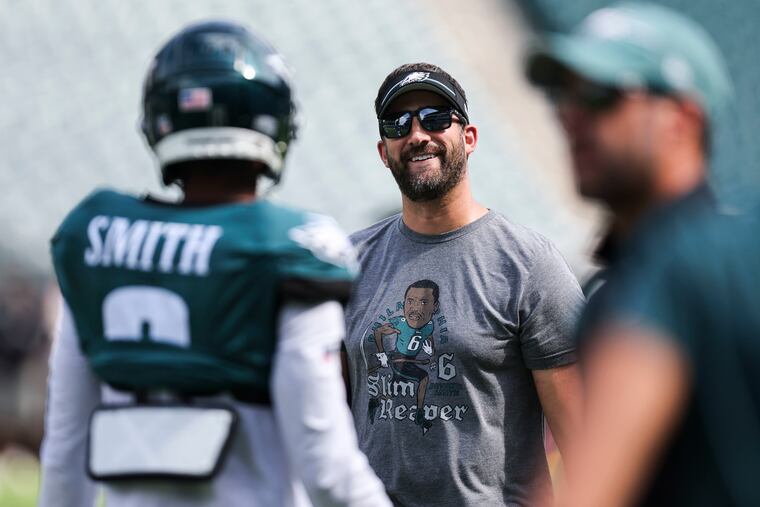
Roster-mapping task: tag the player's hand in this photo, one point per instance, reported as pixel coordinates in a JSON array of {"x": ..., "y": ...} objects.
[
  {"x": 383, "y": 358},
  {"x": 427, "y": 347}
]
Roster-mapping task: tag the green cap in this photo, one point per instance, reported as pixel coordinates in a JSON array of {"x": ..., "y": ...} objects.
[{"x": 634, "y": 46}]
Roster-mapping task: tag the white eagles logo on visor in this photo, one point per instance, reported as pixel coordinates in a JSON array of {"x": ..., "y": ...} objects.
[{"x": 414, "y": 77}]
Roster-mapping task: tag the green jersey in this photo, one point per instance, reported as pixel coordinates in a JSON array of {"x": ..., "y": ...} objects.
[
  {"x": 409, "y": 339},
  {"x": 697, "y": 284},
  {"x": 186, "y": 298},
  {"x": 690, "y": 276}
]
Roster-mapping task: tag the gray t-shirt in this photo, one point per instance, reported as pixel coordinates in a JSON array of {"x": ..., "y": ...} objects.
[{"x": 453, "y": 323}]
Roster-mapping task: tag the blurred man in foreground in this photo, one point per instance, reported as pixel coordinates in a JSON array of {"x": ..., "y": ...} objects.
[
  {"x": 670, "y": 342},
  {"x": 209, "y": 328}
]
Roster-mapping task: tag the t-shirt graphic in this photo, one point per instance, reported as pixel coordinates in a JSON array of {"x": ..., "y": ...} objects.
[
  {"x": 400, "y": 351},
  {"x": 442, "y": 335}
]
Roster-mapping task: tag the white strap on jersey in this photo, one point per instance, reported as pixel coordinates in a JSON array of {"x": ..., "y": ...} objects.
[{"x": 158, "y": 440}]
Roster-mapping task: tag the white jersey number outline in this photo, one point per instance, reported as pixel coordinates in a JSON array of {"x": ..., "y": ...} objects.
[
  {"x": 414, "y": 342},
  {"x": 129, "y": 313}
]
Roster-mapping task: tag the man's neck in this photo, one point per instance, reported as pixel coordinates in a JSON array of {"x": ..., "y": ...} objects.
[
  {"x": 207, "y": 191},
  {"x": 448, "y": 213},
  {"x": 210, "y": 198}
]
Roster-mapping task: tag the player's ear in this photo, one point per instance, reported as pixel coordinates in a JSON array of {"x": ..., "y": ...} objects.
[
  {"x": 436, "y": 306},
  {"x": 383, "y": 152}
]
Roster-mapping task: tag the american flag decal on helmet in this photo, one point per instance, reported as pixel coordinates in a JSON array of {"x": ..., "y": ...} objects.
[{"x": 194, "y": 99}]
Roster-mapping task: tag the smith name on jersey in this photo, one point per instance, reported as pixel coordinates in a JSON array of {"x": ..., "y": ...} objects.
[
  {"x": 193, "y": 290},
  {"x": 119, "y": 242}
]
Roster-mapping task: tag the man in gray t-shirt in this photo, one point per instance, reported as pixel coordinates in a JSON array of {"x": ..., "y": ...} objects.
[{"x": 459, "y": 332}]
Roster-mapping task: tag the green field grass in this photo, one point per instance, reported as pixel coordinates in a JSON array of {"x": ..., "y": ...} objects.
[
  {"x": 20, "y": 475},
  {"x": 19, "y": 480}
]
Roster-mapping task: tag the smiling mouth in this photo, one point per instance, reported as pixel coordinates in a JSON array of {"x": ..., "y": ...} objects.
[{"x": 423, "y": 157}]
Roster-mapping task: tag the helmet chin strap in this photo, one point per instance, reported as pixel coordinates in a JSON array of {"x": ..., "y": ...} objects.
[{"x": 220, "y": 143}]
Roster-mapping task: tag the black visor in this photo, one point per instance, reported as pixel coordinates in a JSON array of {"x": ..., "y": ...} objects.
[{"x": 430, "y": 81}]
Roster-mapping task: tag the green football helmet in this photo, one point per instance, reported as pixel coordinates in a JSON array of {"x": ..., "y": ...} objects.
[{"x": 217, "y": 91}]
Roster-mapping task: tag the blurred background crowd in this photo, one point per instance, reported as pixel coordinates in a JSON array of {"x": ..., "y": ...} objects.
[{"x": 70, "y": 95}]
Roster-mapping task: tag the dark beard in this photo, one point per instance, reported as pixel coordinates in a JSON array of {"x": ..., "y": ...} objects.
[
  {"x": 421, "y": 189},
  {"x": 628, "y": 183}
]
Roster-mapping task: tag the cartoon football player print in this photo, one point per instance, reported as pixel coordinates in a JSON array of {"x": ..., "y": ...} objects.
[{"x": 414, "y": 332}]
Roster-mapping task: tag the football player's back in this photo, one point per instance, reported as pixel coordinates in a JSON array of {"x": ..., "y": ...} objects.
[
  {"x": 207, "y": 281},
  {"x": 209, "y": 328}
]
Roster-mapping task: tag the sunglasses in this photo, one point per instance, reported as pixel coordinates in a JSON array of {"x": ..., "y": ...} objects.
[
  {"x": 597, "y": 98},
  {"x": 589, "y": 96},
  {"x": 432, "y": 118}
]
